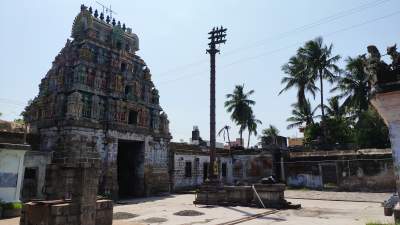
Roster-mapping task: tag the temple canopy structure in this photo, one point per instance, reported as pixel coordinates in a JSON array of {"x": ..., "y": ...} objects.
[{"x": 98, "y": 101}]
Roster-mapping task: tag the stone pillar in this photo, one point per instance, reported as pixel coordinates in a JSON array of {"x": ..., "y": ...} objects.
[{"x": 387, "y": 103}]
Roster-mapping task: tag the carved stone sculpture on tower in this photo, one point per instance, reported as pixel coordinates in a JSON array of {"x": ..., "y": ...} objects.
[
  {"x": 395, "y": 55},
  {"x": 74, "y": 105},
  {"x": 96, "y": 107},
  {"x": 372, "y": 64}
]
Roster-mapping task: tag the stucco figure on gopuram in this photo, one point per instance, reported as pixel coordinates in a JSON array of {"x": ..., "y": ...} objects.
[
  {"x": 385, "y": 97},
  {"x": 98, "y": 99}
]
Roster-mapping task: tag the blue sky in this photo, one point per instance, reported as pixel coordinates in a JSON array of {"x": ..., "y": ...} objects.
[{"x": 262, "y": 35}]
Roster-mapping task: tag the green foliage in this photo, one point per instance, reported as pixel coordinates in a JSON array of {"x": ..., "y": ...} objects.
[
  {"x": 339, "y": 131},
  {"x": 321, "y": 64},
  {"x": 350, "y": 121},
  {"x": 252, "y": 124},
  {"x": 239, "y": 105},
  {"x": 354, "y": 87},
  {"x": 12, "y": 205},
  {"x": 19, "y": 121},
  {"x": 271, "y": 131},
  {"x": 298, "y": 77},
  {"x": 311, "y": 133},
  {"x": 301, "y": 114},
  {"x": 371, "y": 131}
]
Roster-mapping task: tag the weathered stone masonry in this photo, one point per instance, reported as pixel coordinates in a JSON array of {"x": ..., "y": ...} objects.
[{"x": 99, "y": 96}]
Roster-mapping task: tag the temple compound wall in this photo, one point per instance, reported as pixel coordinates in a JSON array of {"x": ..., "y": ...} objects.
[
  {"x": 190, "y": 166},
  {"x": 98, "y": 100},
  {"x": 345, "y": 170}
]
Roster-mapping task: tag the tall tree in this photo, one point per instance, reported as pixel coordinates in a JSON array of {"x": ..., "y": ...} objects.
[
  {"x": 298, "y": 77},
  {"x": 321, "y": 64},
  {"x": 239, "y": 105},
  {"x": 334, "y": 110},
  {"x": 252, "y": 123},
  {"x": 354, "y": 86},
  {"x": 225, "y": 132},
  {"x": 271, "y": 132},
  {"x": 301, "y": 114}
]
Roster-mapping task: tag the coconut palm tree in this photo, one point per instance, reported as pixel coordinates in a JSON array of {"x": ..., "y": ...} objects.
[
  {"x": 321, "y": 64},
  {"x": 271, "y": 132},
  {"x": 298, "y": 77},
  {"x": 334, "y": 110},
  {"x": 225, "y": 131},
  {"x": 301, "y": 115},
  {"x": 354, "y": 86},
  {"x": 239, "y": 105},
  {"x": 252, "y": 123}
]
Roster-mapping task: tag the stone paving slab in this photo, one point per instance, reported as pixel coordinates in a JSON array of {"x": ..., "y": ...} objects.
[
  {"x": 162, "y": 210},
  {"x": 337, "y": 196}
]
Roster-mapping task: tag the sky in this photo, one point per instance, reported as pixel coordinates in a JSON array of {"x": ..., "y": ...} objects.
[{"x": 262, "y": 35}]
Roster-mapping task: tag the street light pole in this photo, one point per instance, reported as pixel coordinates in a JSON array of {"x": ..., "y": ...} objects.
[{"x": 217, "y": 36}]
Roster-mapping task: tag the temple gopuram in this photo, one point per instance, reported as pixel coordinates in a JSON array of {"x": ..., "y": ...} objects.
[{"x": 98, "y": 102}]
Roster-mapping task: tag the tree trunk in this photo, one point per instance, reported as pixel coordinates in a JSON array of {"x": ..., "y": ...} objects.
[
  {"x": 301, "y": 98},
  {"x": 322, "y": 107},
  {"x": 248, "y": 140},
  {"x": 241, "y": 139},
  {"x": 322, "y": 95},
  {"x": 229, "y": 140}
]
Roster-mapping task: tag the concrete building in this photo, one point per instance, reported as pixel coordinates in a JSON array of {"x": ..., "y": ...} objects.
[
  {"x": 190, "y": 165},
  {"x": 11, "y": 171}
]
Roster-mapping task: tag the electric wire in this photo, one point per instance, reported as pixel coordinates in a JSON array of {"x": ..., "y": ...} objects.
[
  {"x": 302, "y": 28},
  {"x": 241, "y": 60}
]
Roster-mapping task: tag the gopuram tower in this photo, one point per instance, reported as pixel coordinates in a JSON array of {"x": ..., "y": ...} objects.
[{"x": 98, "y": 113}]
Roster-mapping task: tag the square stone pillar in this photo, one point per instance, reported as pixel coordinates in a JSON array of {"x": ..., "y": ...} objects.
[{"x": 387, "y": 103}]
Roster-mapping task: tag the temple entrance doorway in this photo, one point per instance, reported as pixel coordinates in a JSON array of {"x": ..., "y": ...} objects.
[{"x": 130, "y": 169}]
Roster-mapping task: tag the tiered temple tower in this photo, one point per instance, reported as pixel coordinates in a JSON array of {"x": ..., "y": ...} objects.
[{"x": 98, "y": 102}]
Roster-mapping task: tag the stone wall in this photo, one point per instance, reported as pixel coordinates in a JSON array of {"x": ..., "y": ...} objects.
[
  {"x": 362, "y": 170},
  {"x": 35, "y": 164},
  {"x": 63, "y": 213},
  {"x": 154, "y": 170}
]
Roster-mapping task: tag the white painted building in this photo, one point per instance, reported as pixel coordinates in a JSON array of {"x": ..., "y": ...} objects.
[
  {"x": 11, "y": 171},
  {"x": 189, "y": 166}
]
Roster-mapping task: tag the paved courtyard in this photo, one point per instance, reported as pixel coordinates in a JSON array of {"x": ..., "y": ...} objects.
[{"x": 357, "y": 209}]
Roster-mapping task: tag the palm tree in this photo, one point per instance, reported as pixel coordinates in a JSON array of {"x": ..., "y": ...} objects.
[
  {"x": 354, "y": 86},
  {"x": 298, "y": 77},
  {"x": 301, "y": 115},
  {"x": 333, "y": 109},
  {"x": 271, "y": 132},
  {"x": 225, "y": 131},
  {"x": 252, "y": 127},
  {"x": 321, "y": 64},
  {"x": 239, "y": 105}
]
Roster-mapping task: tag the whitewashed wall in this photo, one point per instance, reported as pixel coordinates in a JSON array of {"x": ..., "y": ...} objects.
[{"x": 11, "y": 174}]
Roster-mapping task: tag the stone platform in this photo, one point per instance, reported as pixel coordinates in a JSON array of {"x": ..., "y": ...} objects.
[
  {"x": 272, "y": 196},
  {"x": 63, "y": 212}
]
